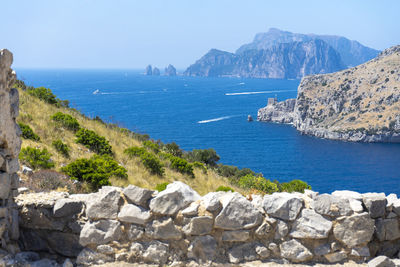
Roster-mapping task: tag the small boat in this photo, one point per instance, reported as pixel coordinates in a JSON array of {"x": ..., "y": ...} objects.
[
  {"x": 96, "y": 92},
  {"x": 249, "y": 118}
]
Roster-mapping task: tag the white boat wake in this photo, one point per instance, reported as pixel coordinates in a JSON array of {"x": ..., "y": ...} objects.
[
  {"x": 259, "y": 92},
  {"x": 216, "y": 119}
]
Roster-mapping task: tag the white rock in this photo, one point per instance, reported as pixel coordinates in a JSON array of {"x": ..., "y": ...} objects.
[
  {"x": 284, "y": 206},
  {"x": 137, "y": 195},
  {"x": 100, "y": 232},
  {"x": 311, "y": 225},
  {"x": 191, "y": 210},
  {"x": 134, "y": 214},
  {"x": 354, "y": 230},
  {"x": 175, "y": 197},
  {"x": 104, "y": 204},
  {"x": 237, "y": 213},
  {"x": 201, "y": 225},
  {"x": 293, "y": 250},
  {"x": 211, "y": 201},
  {"x": 347, "y": 194},
  {"x": 163, "y": 229},
  {"x": 203, "y": 249}
]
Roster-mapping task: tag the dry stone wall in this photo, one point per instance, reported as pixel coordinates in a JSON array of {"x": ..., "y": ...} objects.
[
  {"x": 178, "y": 226},
  {"x": 9, "y": 149}
]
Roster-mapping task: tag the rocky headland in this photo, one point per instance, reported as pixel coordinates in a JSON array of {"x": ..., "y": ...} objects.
[
  {"x": 285, "y": 55},
  {"x": 356, "y": 104}
]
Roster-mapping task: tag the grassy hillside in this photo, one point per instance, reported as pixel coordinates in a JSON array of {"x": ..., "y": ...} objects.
[{"x": 36, "y": 111}]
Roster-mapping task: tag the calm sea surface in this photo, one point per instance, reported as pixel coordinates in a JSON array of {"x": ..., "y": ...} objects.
[{"x": 212, "y": 113}]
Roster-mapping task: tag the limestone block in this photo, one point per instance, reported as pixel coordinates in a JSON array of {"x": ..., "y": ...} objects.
[
  {"x": 156, "y": 252},
  {"x": 237, "y": 213},
  {"x": 236, "y": 236},
  {"x": 104, "y": 204},
  {"x": 134, "y": 214},
  {"x": 311, "y": 225},
  {"x": 137, "y": 195},
  {"x": 163, "y": 229},
  {"x": 294, "y": 251},
  {"x": 100, "y": 232},
  {"x": 326, "y": 204},
  {"x": 375, "y": 203},
  {"x": 203, "y": 248},
  {"x": 175, "y": 197},
  {"x": 244, "y": 252},
  {"x": 67, "y": 207},
  {"x": 354, "y": 230},
  {"x": 199, "y": 226},
  {"x": 284, "y": 206}
]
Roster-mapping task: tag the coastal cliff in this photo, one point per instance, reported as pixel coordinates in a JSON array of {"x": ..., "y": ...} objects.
[
  {"x": 357, "y": 104},
  {"x": 285, "y": 60},
  {"x": 283, "y": 55}
]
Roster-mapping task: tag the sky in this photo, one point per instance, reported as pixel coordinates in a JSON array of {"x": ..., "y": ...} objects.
[{"x": 130, "y": 34}]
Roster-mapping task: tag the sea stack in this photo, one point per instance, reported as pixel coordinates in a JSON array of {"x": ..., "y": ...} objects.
[
  {"x": 170, "y": 70},
  {"x": 156, "y": 72},
  {"x": 149, "y": 70}
]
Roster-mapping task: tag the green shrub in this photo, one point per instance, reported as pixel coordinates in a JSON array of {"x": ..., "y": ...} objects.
[
  {"x": 173, "y": 149},
  {"x": 200, "y": 166},
  {"x": 28, "y": 133},
  {"x": 227, "y": 171},
  {"x": 66, "y": 120},
  {"x": 46, "y": 95},
  {"x": 161, "y": 187},
  {"x": 96, "y": 171},
  {"x": 36, "y": 158},
  {"x": 294, "y": 186},
  {"x": 150, "y": 161},
  {"x": 152, "y": 146},
  {"x": 93, "y": 141},
  {"x": 207, "y": 156},
  {"x": 135, "y": 151},
  {"x": 62, "y": 148},
  {"x": 224, "y": 189},
  {"x": 258, "y": 183},
  {"x": 181, "y": 165}
]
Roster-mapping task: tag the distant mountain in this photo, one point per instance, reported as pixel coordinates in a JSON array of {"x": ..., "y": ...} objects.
[
  {"x": 283, "y": 60},
  {"x": 352, "y": 52},
  {"x": 282, "y": 54}
]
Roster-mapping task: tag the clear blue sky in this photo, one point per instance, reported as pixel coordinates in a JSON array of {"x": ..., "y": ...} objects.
[{"x": 132, "y": 34}]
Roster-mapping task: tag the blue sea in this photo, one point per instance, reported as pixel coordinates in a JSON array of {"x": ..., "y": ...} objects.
[{"x": 199, "y": 113}]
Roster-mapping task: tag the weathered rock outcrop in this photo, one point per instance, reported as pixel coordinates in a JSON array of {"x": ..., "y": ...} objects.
[
  {"x": 357, "y": 104},
  {"x": 222, "y": 227},
  {"x": 9, "y": 149},
  {"x": 170, "y": 70}
]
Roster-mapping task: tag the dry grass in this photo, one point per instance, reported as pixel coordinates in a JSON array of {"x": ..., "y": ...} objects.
[{"x": 36, "y": 113}]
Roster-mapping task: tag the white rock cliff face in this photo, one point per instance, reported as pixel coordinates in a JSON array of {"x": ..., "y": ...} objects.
[{"x": 357, "y": 104}]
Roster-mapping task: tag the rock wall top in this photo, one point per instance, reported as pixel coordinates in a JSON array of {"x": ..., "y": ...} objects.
[{"x": 9, "y": 149}]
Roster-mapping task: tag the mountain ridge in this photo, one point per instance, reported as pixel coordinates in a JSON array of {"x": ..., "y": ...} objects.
[{"x": 284, "y": 55}]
